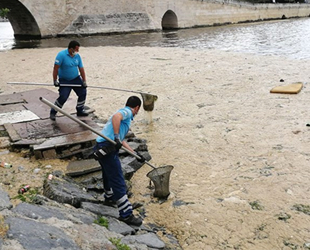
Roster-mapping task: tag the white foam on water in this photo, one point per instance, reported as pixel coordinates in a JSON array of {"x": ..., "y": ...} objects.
[{"x": 149, "y": 116}]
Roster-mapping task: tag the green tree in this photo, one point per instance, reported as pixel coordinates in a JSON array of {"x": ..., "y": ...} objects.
[{"x": 4, "y": 12}]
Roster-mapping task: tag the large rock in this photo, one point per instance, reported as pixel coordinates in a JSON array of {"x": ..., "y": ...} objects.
[
  {"x": 63, "y": 191},
  {"x": 53, "y": 225},
  {"x": 36, "y": 235},
  {"x": 45, "y": 212},
  {"x": 4, "y": 200}
]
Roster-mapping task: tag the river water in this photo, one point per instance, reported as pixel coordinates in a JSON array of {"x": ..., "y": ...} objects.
[{"x": 282, "y": 37}]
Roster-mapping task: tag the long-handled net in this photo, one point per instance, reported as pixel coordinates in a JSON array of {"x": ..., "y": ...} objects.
[
  {"x": 160, "y": 176},
  {"x": 148, "y": 99}
]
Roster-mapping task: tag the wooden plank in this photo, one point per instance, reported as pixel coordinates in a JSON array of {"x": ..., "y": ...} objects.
[
  {"x": 11, "y": 108},
  {"x": 77, "y": 168},
  {"x": 38, "y": 155},
  {"x": 40, "y": 109},
  {"x": 47, "y": 128},
  {"x": 49, "y": 154},
  {"x": 30, "y": 100},
  {"x": 18, "y": 116},
  {"x": 85, "y": 152},
  {"x": 68, "y": 139},
  {"x": 34, "y": 104},
  {"x": 14, "y": 136},
  {"x": 37, "y": 129},
  {"x": 4, "y": 142},
  {"x": 11, "y": 99},
  {"x": 288, "y": 89},
  {"x": 35, "y": 94},
  {"x": 29, "y": 142}
]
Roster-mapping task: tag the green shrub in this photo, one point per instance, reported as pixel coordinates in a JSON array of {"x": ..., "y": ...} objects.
[
  {"x": 4, "y": 12},
  {"x": 30, "y": 196}
]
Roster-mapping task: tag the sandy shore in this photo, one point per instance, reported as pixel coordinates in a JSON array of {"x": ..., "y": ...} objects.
[{"x": 234, "y": 146}]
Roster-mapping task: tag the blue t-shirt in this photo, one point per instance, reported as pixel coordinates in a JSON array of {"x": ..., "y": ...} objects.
[
  {"x": 68, "y": 69},
  {"x": 108, "y": 131}
]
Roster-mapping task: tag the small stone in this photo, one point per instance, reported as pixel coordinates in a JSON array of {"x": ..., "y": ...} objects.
[
  {"x": 307, "y": 245},
  {"x": 21, "y": 169},
  {"x": 289, "y": 191},
  {"x": 37, "y": 170}
]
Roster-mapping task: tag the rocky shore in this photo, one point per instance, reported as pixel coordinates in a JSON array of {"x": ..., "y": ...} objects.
[{"x": 70, "y": 214}]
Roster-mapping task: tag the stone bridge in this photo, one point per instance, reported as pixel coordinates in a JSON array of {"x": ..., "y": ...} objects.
[{"x": 52, "y": 18}]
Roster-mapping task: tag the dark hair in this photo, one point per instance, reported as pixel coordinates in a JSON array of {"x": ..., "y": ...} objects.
[
  {"x": 133, "y": 102},
  {"x": 73, "y": 44}
]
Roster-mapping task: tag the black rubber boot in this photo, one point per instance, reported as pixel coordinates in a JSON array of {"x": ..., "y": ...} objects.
[
  {"x": 52, "y": 116},
  {"x": 81, "y": 113},
  {"x": 131, "y": 220},
  {"x": 110, "y": 203}
]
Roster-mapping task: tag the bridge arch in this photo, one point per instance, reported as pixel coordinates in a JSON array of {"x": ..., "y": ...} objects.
[
  {"x": 52, "y": 18},
  {"x": 23, "y": 23},
  {"x": 169, "y": 21}
]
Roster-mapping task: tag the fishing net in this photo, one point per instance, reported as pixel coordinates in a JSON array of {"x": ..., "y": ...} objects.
[
  {"x": 148, "y": 101},
  {"x": 160, "y": 177}
]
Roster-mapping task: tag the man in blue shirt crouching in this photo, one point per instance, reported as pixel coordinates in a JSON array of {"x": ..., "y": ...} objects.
[{"x": 115, "y": 190}]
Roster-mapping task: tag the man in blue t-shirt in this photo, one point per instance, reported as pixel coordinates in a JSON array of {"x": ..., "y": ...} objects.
[
  {"x": 71, "y": 75},
  {"x": 115, "y": 190}
]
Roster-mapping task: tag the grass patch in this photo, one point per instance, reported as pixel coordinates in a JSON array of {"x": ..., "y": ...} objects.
[
  {"x": 302, "y": 208},
  {"x": 284, "y": 216},
  {"x": 30, "y": 196},
  {"x": 255, "y": 205},
  {"x": 3, "y": 133},
  {"x": 290, "y": 245},
  {"x": 3, "y": 227},
  {"x": 102, "y": 221},
  {"x": 118, "y": 244}
]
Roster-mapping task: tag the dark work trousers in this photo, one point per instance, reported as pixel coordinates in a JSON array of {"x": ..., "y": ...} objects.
[
  {"x": 64, "y": 93},
  {"x": 113, "y": 181}
]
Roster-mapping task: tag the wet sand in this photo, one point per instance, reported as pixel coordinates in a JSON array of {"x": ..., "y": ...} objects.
[{"x": 240, "y": 154}]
